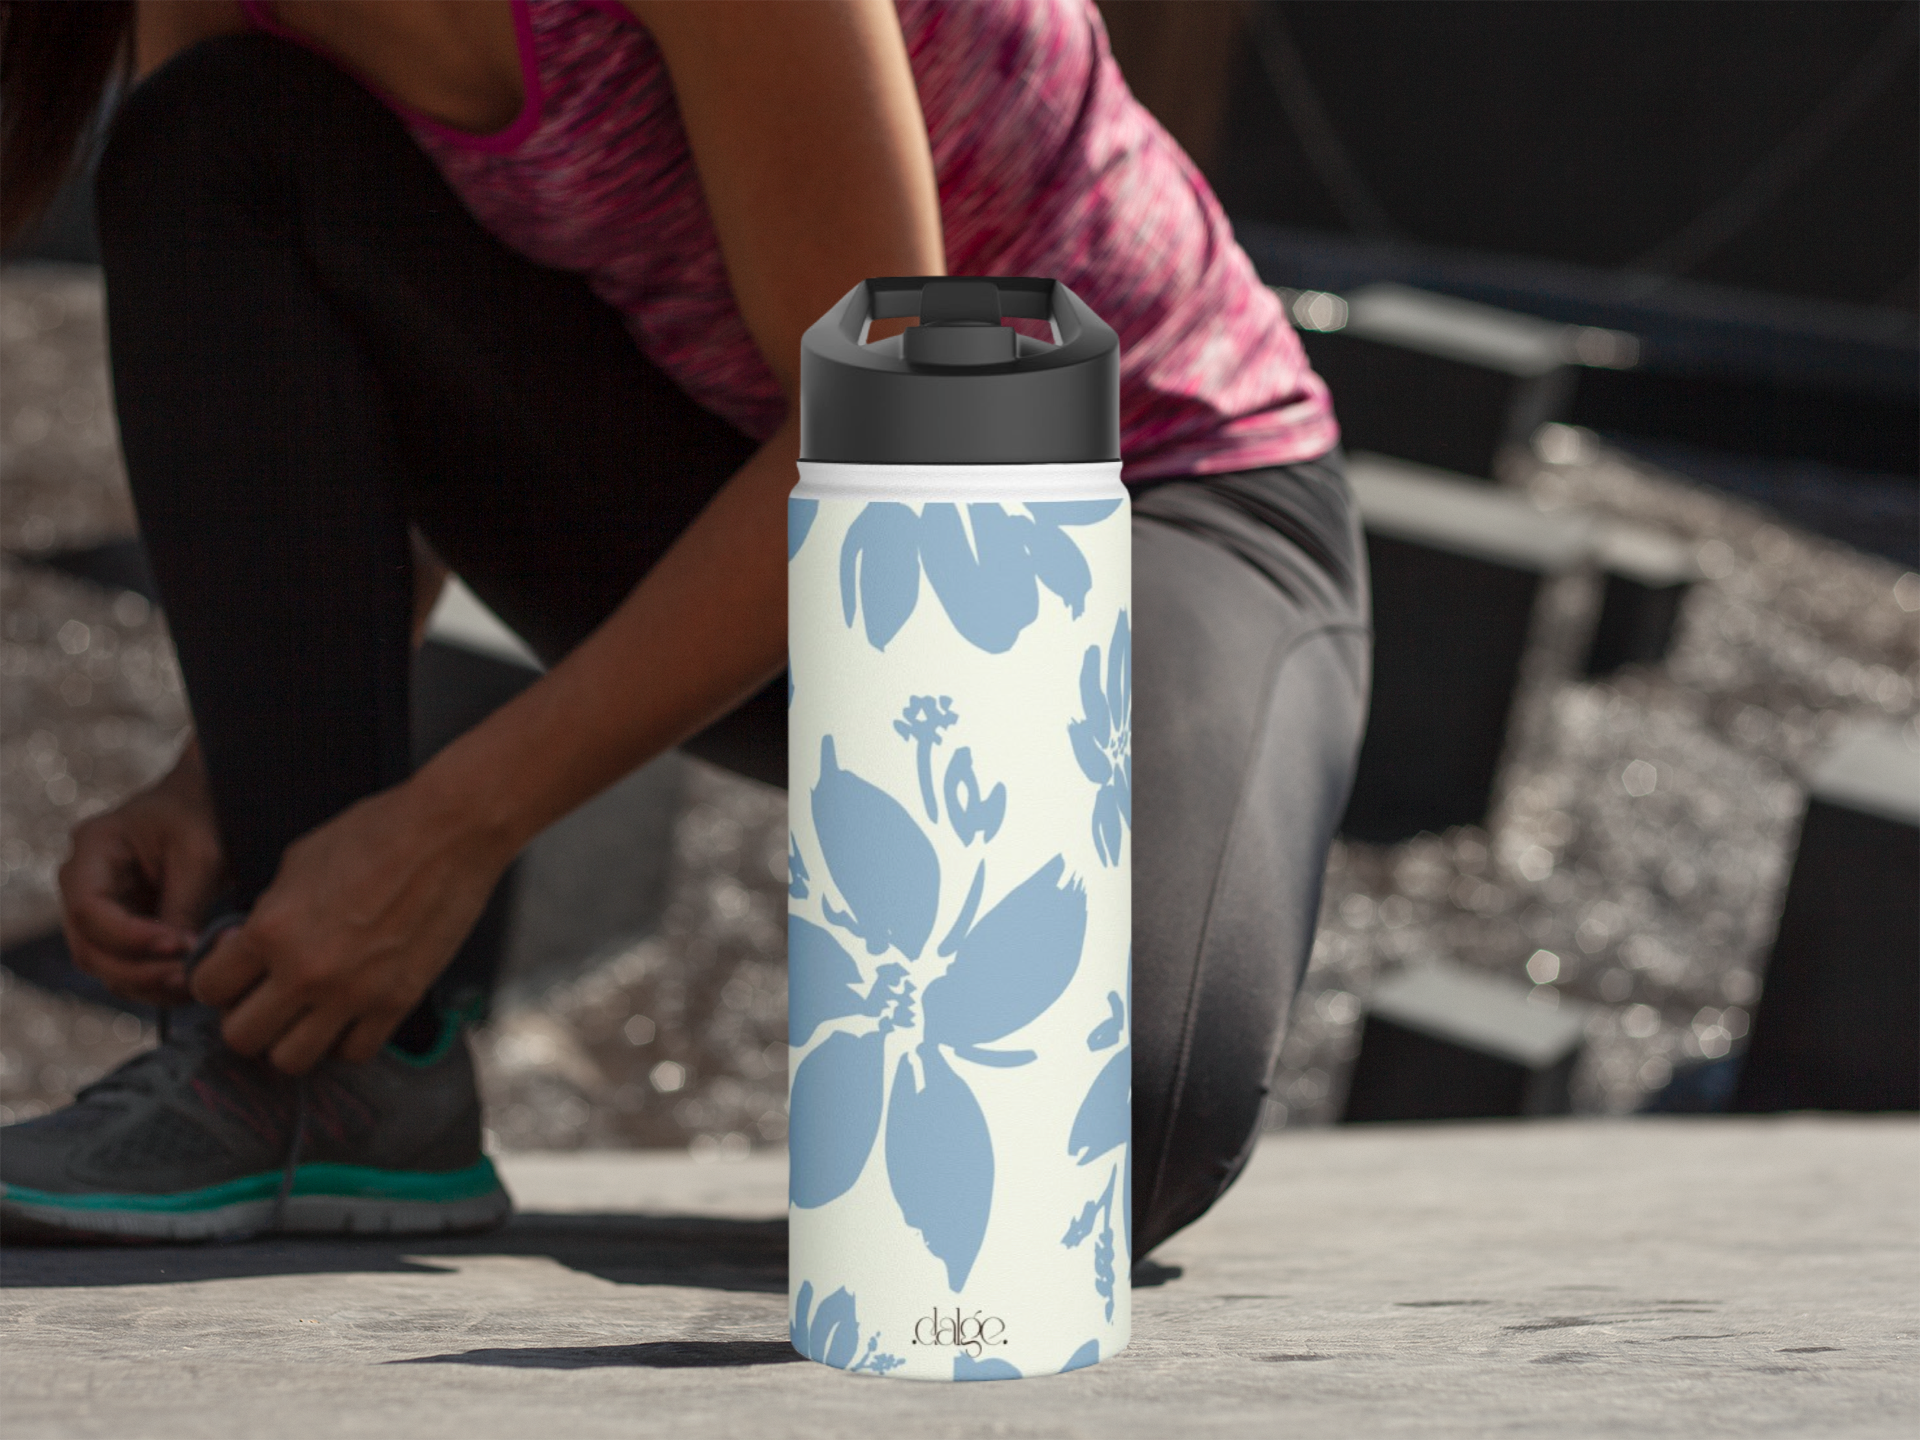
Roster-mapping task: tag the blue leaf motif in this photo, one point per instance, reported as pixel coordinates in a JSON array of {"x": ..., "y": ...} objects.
[
  {"x": 1061, "y": 567},
  {"x": 967, "y": 811},
  {"x": 1082, "y": 1224},
  {"x": 1015, "y": 962},
  {"x": 835, "y": 1332},
  {"x": 796, "y": 869},
  {"x": 965, "y": 1367},
  {"x": 880, "y": 569},
  {"x": 1105, "y": 1119},
  {"x": 1099, "y": 719},
  {"x": 820, "y": 977},
  {"x": 1087, "y": 1354},
  {"x": 987, "y": 587},
  {"x": 1107, "y": 825},
  {"x": 834, "y": 1116},
  {"x": 940, "y": 1162},
  {"x": 800, "y": 518},
  {"x": 884, "y": 867},
  {"x": 1107, "y": 1032},
  {"x": 1102, "y": 739},
  {"x": 1099, "y": 1210},
  {"x": 989, "y": 584},
  {"x": 797, "y": 1327},
  {"x": 1090, "y": 751},
  {"x": 833, "y": 1335}
]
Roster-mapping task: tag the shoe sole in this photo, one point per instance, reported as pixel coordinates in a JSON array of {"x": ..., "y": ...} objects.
[{"x": 326, "y": 1199}]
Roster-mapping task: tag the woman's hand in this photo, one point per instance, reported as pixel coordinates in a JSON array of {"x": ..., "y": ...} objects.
[
  {"x": 138, "y": 883},
  {"x": 364, "y": 912}
]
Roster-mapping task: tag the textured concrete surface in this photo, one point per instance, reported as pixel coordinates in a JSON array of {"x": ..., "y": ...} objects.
[{"x": 1602, "y": 1278}]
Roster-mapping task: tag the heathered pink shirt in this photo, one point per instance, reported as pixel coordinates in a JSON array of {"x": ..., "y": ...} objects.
[{"x": 1047, "y": 165}]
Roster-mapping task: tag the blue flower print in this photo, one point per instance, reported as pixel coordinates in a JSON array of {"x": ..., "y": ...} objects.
[
  {"x": 797, "y": 876},
  {"x": 1087, "y": 1354},
  {"x": 800, "y": 518},
  {"x": 986, "y": 567},
  {"x": 1103, "y": 739},
  {"x": 1007, "y": 967},
  {"x": 831, "y": 1334},
  {"x": 971, "y": 811},
  {"x": 965, "y": 1367},
  {"x": 922, "y": 722},
  {"x": 1103, "y": 1125},
  {"x": 883, "y": 865}
]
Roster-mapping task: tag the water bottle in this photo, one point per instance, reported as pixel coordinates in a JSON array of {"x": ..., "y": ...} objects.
[{"x": 959, "y": 926}]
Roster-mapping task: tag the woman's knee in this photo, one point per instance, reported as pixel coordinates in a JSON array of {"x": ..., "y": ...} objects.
[{"x": 194, "y": 135}]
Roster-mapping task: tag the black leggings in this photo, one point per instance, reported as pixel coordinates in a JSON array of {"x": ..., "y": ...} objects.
[{"x": 314, "y": 346}]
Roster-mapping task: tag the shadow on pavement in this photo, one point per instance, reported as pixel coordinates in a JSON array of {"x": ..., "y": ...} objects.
[
  {"x": 658, "y": 1355},
  {"x": 1149, "y": 1273},
  {"x": 689, "y": 1250}
]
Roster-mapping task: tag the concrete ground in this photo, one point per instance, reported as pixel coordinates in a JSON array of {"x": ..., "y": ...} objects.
[{"x": 1631, "y": 1278}]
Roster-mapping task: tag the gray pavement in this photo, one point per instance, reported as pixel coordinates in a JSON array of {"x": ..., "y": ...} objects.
[{"x": 1630, "y": 1278}]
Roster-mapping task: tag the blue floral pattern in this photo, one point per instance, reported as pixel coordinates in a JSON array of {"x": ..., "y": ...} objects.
[
  {"x": 932, "y": 941},
  {"x": 1007, "y": 967},
  {"x": 986, "y": 569},
  {"x": 831, "y": 1334},
  {"x": 1104, "y": 1124},
  {"x": 800, "y": 518},
  {"x": 965, "y": 1367},
  {"x": 1103, "y": 739}
]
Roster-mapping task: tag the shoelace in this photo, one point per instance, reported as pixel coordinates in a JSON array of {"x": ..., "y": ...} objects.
[{"x": 296, "y": 1140}]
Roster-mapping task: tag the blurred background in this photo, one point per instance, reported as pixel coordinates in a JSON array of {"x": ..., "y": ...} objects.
[{"x": 1618, "y": 303}]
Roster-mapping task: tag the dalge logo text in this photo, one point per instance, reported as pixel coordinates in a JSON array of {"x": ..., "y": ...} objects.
[{"x": 970, "y": 1333}]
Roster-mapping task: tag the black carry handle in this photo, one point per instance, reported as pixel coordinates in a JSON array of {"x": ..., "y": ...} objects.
[
  {"x": 935, "y": 298},
  {"x": 960, "y": 315}
]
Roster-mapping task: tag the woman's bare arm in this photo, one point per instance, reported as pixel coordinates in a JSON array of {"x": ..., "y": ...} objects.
[{"x": 807, "y": 134}]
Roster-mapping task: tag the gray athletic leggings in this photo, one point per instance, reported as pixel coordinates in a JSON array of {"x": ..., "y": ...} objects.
[{"x": 314, "y": 346}]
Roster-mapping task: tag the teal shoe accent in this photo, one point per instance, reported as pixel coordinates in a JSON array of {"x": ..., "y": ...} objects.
[
  {"x": 262, "y": 1186},
  {"x": 364, "y": 1182},
  {"x": 452, "y": 1022},
  {"x": 358, "y": 1182}
]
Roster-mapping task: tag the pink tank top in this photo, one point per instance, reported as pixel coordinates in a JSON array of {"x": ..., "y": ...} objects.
[{"x": 1047, "y": 165}]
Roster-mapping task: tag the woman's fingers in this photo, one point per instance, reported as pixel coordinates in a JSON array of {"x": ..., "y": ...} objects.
[
  {"x": 132, "y": 891},
  {"x": 103, "y": 932},
  {"x": 262, "y": 1019},
  {"x": 228, "y": 971},
  {"x": 306, "y": 1044},
  {"x": 95, "y": 885},
  {"x": 128, "y": 953}
]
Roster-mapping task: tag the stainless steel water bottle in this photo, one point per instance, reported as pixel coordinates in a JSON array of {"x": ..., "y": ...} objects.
[{"x": 959, "y": 930}]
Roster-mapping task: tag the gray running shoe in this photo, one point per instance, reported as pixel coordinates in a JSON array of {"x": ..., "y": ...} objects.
[{"x": 190, "y": 1141}]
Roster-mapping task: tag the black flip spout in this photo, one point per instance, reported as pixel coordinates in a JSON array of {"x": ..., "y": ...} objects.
[
  {"x": 961, "y": 387},
  {"x": 960, "y": 325}
]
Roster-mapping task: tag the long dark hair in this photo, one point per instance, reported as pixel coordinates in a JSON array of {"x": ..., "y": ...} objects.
[{"x": 56, "y": 59}]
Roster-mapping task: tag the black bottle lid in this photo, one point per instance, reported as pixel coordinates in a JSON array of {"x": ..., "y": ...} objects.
[{"x": 960, "y": 388}]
